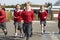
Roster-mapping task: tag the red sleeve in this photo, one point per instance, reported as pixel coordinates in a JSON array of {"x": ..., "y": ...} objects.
[
  {"x": 22, "y": 15},
  {"x": 3, "y": 15},
  {"x": 32, "y": 15},
  {"x": 19, "y": 15},
  {"x": 15, "y": 15},
  {"x": 46, "y": 14},
  {"x": 59, "y": 16}
]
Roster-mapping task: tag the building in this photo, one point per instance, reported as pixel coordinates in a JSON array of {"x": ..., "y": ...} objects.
[{"x": 53, "y": 13}]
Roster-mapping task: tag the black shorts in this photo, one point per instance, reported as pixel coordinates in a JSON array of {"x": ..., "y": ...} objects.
[
  {"x": 43, "y": 22},
  {"x": 58, "y": 24},
  {"x": 18, "y": 25},
  {"x": 3, "y": 25}
]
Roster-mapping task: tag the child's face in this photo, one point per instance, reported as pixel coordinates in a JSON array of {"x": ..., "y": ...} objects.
[
  {"x": 18, "y": 6},
  {"x": 27, "y": 6},
  {"x": 42, "y": 7}
]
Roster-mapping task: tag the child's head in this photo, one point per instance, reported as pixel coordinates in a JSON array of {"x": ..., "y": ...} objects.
[
  {"x": 27, "y": 5},
  {"x": 42, "y": 7},
  {"x": 17, "y": 6}
]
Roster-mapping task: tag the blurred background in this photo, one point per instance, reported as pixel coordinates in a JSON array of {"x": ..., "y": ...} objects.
[{"x": 52, "y": 7}]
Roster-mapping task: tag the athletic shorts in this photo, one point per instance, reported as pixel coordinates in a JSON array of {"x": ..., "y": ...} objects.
[
  {"x": 18, "y": 25},
  {"x": 3, "y": 25},
  {"x": 43, "y": 22}
]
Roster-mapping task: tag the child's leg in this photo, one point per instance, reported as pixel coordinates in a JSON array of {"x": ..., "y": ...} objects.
[
  {"x": 24, "y": 29},
  {"x": 28, "y": 30},
  {"x": 31, "y": 30},
  {"x": 44, "y": 25},
  {"x": 59, "y": 30},
  {"x": 42, "y": 28},
  {"x": 4, "y": 28},
  {"x": 16, "y": 25},
  {"x": 59, "y": 26},
  {"x": 20, "y": 28}
]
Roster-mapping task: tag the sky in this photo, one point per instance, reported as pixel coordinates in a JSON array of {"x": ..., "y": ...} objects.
[{"x": 14, "y": 2}]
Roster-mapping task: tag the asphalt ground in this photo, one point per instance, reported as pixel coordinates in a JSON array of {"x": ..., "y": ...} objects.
[{"x": 50, "y": 34}]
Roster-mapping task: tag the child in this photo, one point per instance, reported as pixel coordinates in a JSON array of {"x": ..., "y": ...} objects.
[
  {"x": 42, "y": 16},
  {"x": 28, "y": 17},
  {"x": 3, "y": 20},
  {"x": 59, "y": 21},
  {"x": 17, "y": 20}
]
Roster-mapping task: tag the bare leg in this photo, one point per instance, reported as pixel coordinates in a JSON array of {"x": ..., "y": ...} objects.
[
  {"x": 42, "y": 28},
  {"x": 21, "y": 33},
  {"x": 15, "y": 31}
]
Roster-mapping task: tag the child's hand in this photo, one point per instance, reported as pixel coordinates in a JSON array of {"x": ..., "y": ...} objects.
[
  {"x": 22, "y": 21},
  {"x": 44, "y": 17}
]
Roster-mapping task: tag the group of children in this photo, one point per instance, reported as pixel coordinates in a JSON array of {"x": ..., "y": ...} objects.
[{"x": 27, "y": 16}]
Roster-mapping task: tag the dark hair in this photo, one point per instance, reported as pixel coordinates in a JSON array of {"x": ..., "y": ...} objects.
[
  {"x": 16, "y": 5},
  {"x": 41, "y": 5},
  {"x": 3, "y": 9}
]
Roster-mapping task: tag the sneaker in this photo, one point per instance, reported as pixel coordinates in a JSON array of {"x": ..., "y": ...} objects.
[
  {"x": 27, "y": 38},
  {"x": 44, "y": 31},
  {"x": 15, "y": 34},
  {"x": 5, "y": 32},
  {"x": 31, "y": 34},
  {"x": 21, "y": 35}
]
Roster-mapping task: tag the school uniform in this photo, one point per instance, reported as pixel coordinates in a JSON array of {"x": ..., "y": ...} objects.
[
  {"x": 2, "y": 19},
  {"x": 41, "y": 15},
  {"x": 17, "y": 19},
  {"x": 28, "y": 17}
]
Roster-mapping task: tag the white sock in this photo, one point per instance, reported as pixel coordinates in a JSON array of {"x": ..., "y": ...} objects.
[{"x": 15, "y": 34}]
